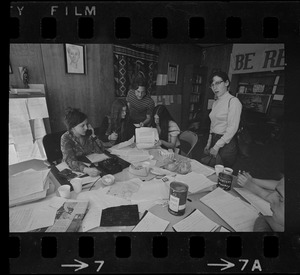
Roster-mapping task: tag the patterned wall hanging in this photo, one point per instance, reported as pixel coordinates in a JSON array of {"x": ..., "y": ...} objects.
[{"x": 132, "y": 62}]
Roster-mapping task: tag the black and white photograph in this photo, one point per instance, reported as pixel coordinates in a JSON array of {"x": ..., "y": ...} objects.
[{"x": 147, "y": 138}]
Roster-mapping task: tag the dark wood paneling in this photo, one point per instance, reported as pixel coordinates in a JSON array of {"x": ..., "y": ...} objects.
[
  {"x": 26, "y": 55},
  {"x": 93, "y": 92}
]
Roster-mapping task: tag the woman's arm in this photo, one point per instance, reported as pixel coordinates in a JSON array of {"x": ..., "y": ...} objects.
[
  {"x": 171, "y": 144},
  {"x": 69, "y": 155}
]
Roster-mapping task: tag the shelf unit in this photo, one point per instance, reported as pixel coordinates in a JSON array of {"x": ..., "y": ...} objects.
[
  {"x": 261, "y": 92},
  {"x": 194, "y": 88}
]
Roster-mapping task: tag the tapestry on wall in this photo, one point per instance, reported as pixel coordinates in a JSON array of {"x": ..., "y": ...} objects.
[{"x": 132, "y": 62}]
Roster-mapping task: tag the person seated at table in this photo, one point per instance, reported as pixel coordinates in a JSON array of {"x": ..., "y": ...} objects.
[
  {"x": 167, "y": 128},
  {"x": 116, "y": 127},
  {"x": 77, "y": 142},
  {"x": 140, "y": 104},
  {"x": 271, "y": 191}
]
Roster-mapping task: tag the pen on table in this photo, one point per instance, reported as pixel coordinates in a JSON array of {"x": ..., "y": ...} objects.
[
  {"x": 189, "y": 199},
  {"x": 94, "y": 183}
]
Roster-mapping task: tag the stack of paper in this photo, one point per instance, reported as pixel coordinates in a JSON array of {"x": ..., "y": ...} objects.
[
  {"x": 28, "y": 186},
  {"x": 238, "y": 214},
  {"x": 95, "y": 157},
  {"x": 196, "y": 182},
  {"x": 195, "y": 222},
  {"x": 260, "y": 204},
  {"x": 199, "y": 168},
  {"x": 146, "y": 137},
  {"x": 151, "y": 223}
]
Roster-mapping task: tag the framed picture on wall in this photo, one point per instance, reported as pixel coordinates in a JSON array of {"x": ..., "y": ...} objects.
[
  {"x": 254, "y": 102},
  {"x": 75, "y": 59},
  {"x": 172, "y": 73}
]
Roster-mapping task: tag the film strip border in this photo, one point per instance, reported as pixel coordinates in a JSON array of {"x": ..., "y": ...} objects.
[
  {"x": 165, "y": 22},
  {"x": 151, "y": 22},
  {"x": 153, "y": 252}
]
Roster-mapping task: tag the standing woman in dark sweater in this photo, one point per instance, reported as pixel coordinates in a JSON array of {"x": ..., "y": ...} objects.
[{"x": 116, "y": 126}]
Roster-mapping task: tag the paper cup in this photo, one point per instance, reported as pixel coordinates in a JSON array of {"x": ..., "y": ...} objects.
[
  {"x": 77, "y": 184},
  {"x": 219, "y": 168},
  {"x": 108, "y": 179},
  {"x": 64, "y": 191},
  {"x": 228, "y": 171},
  {"x": 146, "y": 164}
]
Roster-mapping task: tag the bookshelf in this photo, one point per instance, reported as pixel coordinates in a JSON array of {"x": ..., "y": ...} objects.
[{"x": 194, "y": 91}]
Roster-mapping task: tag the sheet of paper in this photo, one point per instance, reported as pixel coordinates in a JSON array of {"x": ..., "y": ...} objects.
[
  {"x": 92, "y": 219},
  {"x": 31, "y": 217},
  {"x": 223, "y": 229},
  {"x": 18, "y": 111},
  {"x": 132, "y": 155},
  {"x": 13, "y": 156},
  {"x": 37, "y": 107},
  {"x": 195, "y": 222},
  {"x": 61, "y": 166},
  {"x": 149, "y": 191},
  {"x": 57, "y": 202},
  {"x": 98, "y": 198},
  {"x": 199, "y": 168},
  {"x": 124, "y": 144},
  {"x": 231, "y": 209},
  {"x": 38, "y": 128},
  {"x": 151, "y": 223},
  {"x": 125, "y": 189},
  {"x": 96, "y": 157},
  {"x": 260, "y": 204},
  {"x": 195, "y": 181}
]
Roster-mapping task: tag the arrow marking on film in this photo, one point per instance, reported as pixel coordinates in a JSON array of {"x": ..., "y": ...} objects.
[
  {"x": 226, "y": 265},
  {"x": 80, "y": 266}
]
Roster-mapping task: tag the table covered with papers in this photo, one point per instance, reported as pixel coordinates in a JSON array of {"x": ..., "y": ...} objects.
[{"x": 208, "y": 207}]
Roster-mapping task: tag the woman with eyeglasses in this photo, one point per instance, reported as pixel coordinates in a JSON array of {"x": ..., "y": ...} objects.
[
  {"x": 140, "y": 104},
  {"x": 225, "y": 118}
]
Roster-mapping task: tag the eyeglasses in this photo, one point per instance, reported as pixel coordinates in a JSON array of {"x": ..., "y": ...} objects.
[{"x": 215, "y": 84}]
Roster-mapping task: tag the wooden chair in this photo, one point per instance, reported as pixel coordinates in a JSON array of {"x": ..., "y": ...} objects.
[{"x": 188, "y": 137}]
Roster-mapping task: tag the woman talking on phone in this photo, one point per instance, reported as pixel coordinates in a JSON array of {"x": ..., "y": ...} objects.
[{"x": 78, "y": 141}]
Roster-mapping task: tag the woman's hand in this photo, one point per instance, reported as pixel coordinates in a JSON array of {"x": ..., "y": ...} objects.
[
  {"x": 213, "y": 152},
  {"x": 244, "y": 179},
  {"x": 158, "y": 143},
  {"x": 113, "y": 136},
  {"x": 93, "y": 172},
  {"x": 91, "y": 128},
  {"x": 206, "y": 150}
]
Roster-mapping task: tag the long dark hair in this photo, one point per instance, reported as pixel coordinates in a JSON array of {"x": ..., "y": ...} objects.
[
  {"x": 73, "y": 117},
  {"x": 117, "y": 124},
  {"x": 164, "y": 118}
]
